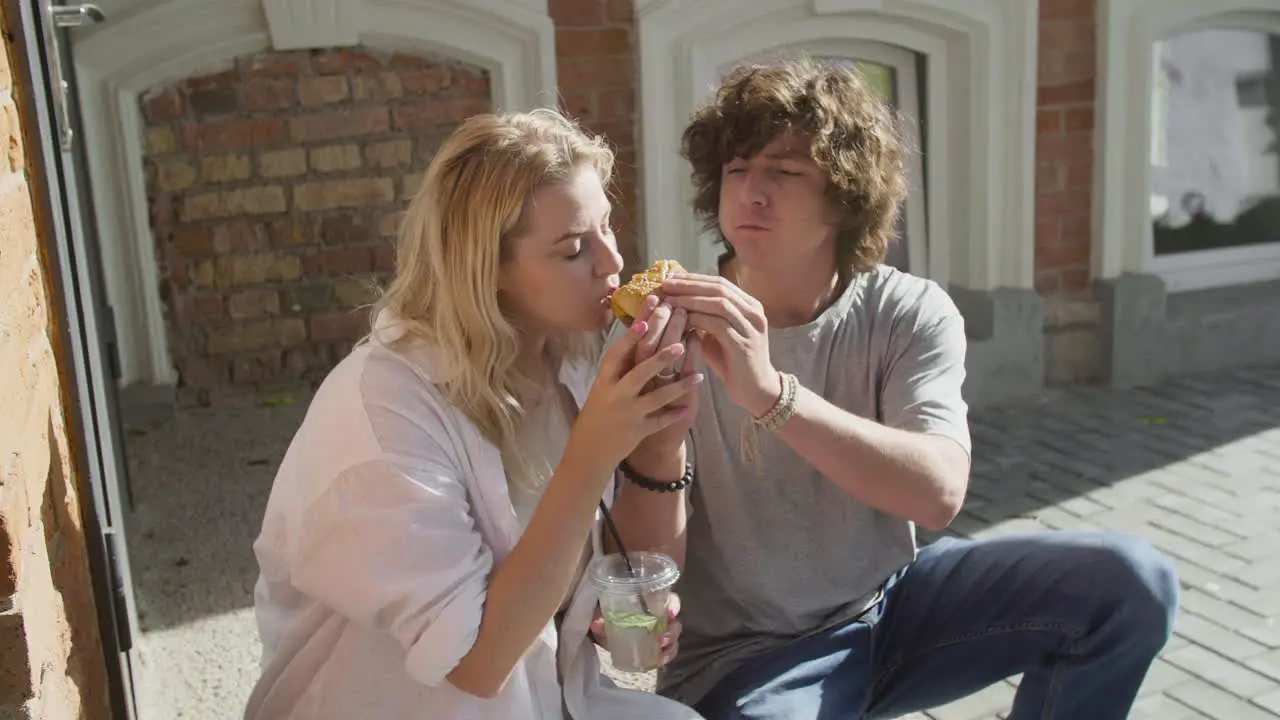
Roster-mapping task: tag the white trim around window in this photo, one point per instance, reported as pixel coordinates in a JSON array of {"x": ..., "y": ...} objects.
[{"x": 1128, "y": 31}]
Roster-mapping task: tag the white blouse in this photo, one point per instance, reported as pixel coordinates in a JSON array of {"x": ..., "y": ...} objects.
[
  {"x": 386, "y": 518},
  {"x": 543, "y": 438}
]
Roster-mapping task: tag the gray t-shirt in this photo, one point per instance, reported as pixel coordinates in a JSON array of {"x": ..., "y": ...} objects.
[{"x": 781, "y": 552}]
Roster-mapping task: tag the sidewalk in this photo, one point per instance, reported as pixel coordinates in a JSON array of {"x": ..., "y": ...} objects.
[{"x": 1192, "y": 466}]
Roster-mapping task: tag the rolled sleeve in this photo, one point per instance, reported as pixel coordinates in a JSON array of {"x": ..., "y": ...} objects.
[
  {"x": 396, "y": 549},
  {"x": 923, "y": 387}
]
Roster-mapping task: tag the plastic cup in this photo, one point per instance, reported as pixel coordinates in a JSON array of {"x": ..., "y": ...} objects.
[{"x": 634, "y": 606}]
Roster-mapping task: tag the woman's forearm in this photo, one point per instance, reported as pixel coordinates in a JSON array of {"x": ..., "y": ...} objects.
[
  {"x": 526, "y": 591},
  {"x": 649, "y": 520}
]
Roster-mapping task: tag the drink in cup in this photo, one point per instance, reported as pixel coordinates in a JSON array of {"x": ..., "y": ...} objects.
[{"x": 634, "y": 606}]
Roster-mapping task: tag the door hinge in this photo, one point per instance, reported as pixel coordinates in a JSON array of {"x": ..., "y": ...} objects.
[
  {"x": 119, "y": 601},
  {"x": 107, "y": 323},
  {"x": 57, "y": 17},
  {"x": 75, "y": 15}
]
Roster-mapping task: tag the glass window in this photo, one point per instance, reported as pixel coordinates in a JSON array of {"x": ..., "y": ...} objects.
[
  {"x": 878, "y": 75},
  {"x": 1215, "y": 170}
]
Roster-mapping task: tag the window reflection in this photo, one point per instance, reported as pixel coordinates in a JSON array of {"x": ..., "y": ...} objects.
[{"x": 1215, "y": 171}]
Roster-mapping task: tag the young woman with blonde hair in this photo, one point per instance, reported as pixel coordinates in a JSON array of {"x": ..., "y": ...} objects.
[{"x": 423, "y": 547}]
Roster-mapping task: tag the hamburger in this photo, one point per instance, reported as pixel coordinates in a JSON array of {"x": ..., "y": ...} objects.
[{"x": 627, "y": 300}]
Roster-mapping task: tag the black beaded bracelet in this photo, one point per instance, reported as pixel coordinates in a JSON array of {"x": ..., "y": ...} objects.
[{"x": 650, "y": 484}]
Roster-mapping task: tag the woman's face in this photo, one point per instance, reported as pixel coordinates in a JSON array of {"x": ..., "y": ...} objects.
[{"x": 561, "y": 269}]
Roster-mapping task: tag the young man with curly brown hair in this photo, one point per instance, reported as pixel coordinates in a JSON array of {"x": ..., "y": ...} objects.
[{"x": 833, "y": 424}]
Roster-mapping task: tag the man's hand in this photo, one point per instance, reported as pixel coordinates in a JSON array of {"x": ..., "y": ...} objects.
[{"x": 736, "y": 341}]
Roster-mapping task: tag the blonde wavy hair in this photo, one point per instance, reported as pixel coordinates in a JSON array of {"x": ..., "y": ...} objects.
[{"x": 456, "y": 234}]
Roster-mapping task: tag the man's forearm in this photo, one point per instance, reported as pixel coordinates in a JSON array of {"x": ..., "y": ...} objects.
[
  {"x": 649, "y": 520},
  {"x": 919, "y": 477}
]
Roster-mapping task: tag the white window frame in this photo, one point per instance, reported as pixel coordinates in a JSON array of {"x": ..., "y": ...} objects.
[
  {"x": 168, "y": 41},
  {"x": 1123, "y": 237},
  {"x": 907, "y": 100},
  {"x": 981, "y": 89}
]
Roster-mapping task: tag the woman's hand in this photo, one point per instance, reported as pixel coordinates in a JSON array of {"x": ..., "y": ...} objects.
[
  {"x": 736, "y": 345},
  {"x": 670, "y": 640},
  {"x": 666, "y": 327},
  {"x": 624, "y": 407}
]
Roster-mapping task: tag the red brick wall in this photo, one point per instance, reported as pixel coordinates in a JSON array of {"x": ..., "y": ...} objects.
[
  {"x": 598, "y": 76},
  {"x": 1064, "y": 145},
  {"x": 1064, "y": 184},
  {"x": 51, "y": 663},
  {"x": 276, "y": 187}
]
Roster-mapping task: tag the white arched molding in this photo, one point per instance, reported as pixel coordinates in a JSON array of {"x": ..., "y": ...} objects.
[
  {"x": 168, "y": 41},
  {"x": 980, "y": 57},
  {"x": 1127, "y": 31}
]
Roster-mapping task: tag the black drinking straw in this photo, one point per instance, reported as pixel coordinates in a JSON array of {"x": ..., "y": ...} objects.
[
  {"x": 608, "y": 518},
  {"x": 617, "y": 539}
]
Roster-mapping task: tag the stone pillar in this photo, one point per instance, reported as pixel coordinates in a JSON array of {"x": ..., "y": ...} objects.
[{"x": 51, "y": 660}]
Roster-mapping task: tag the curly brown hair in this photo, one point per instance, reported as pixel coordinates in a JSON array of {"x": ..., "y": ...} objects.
[{"x": 854, "y": 137}]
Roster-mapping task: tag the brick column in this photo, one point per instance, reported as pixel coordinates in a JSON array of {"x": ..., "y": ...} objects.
[
  {"x": 1064, "y": 183},
  {"x": 598, "y": 76},
  {"x": 50, "y": 651},
  {"x": 1064, "y": 145}
]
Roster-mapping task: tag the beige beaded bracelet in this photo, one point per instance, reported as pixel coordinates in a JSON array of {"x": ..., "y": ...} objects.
[{"x": 781, "y": 411}]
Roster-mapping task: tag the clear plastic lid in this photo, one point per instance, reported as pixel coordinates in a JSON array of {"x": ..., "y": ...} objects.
[{"x": 653, "y": 572}]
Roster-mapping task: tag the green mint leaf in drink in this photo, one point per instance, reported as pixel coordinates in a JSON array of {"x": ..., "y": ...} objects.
[{"x": 620, "y": 619}]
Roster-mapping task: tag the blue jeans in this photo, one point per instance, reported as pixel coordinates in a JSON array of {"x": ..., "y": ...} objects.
[{"x": 1080, "y": 615}]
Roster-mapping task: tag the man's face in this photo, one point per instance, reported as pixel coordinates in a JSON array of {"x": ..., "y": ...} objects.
[{"x": 773, "y": 207}]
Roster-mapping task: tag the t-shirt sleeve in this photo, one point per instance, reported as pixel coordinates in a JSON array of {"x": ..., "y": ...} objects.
[{"x": 922, "y": 386}]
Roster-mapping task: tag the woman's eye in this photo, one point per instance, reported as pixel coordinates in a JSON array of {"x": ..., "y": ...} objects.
[{"x": 577, "y": 250}]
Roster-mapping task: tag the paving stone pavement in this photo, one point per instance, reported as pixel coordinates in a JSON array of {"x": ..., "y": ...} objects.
[{"x": 1193, "y": 466}]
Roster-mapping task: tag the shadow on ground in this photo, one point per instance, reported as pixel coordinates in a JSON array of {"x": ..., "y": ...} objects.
[
  {"x": 1036, "y": 460},
  {"x": 200, "y": 484}
]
